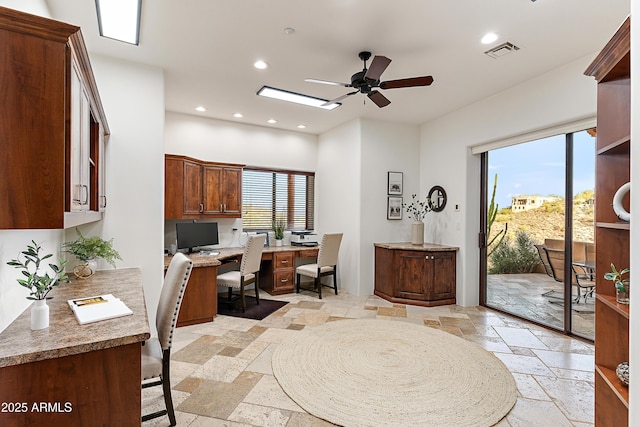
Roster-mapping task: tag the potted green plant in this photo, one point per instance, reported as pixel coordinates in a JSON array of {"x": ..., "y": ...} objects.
[
  {"x": 39, "y": 284},
  {"x": 622, "y": 285},
  {"x": 87, "y": 250},
  {"x": 278, "y": 228}
]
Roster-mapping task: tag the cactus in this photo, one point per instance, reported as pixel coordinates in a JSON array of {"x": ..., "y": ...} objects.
[{"x": 491, "y": 216}]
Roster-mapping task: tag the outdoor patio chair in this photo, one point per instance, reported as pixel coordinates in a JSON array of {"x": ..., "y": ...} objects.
[{"x": 584, "y": 286}]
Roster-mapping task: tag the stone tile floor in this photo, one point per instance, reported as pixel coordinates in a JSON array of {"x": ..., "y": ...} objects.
[
  {"x": 221, "y": 371},
  {"x": 523, "y": 295}
]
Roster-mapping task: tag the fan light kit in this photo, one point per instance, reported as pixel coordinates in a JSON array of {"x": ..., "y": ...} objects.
[{"x": 367, "y": 80}]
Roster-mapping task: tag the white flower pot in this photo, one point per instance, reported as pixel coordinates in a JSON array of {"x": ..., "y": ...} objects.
[
  {"x": 39, "y": 315},
  {"x": 278, "y": 242},
  {"x": 417, "y": 233}
]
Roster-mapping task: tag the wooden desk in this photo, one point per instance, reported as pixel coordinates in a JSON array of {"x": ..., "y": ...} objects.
[
  {"x": 74, "y": 375},
  {"x": 200, "y": 302}
]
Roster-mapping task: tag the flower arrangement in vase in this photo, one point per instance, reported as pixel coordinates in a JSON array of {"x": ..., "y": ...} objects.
[
  {"x": 417, "y": 210},
  {"x": 38, "y": 284},
  {"x": 87, "y": 250}
]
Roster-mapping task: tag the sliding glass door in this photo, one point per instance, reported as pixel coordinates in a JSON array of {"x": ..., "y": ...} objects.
[{"x": 529, "y": 269}]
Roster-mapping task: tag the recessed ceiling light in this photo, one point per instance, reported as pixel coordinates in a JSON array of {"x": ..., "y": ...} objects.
[
  {"x": 201, "y": 109},
  {"x": 289, "y": 31},
  {"x": 272, "y": 121},
  {"x": 302, "y": 126},
  {"x": 119, "y": 19},
  {"x": 489, "y": 38},
  {"x": 260, "y": 64},
  {"x": 238, "y": 115},
  {"x": 298, "y": 98}
]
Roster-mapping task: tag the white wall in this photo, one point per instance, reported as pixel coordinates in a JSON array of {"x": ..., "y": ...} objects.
[
  {"x": 231, "y": 142},
  {"x": 338, "y": 197},
  {"x": 35, "y": 7},
  {"x": 133, "y": 99},
  {"x": 385, "y": 147},
  {"x": 562, "y": 95}
]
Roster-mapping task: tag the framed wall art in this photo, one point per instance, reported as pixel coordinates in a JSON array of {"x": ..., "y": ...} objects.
[
  {"x": 394, "y": 183},
  {"x": 394, "y": 207}
]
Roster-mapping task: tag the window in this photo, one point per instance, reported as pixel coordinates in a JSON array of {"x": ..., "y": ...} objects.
[{"x": 268, "y": 195}]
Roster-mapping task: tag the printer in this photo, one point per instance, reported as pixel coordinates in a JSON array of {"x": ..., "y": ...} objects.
[{"x": 304, "y": 238}]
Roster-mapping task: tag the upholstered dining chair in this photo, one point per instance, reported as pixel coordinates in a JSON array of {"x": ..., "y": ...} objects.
[
  {"x": 156, "y": 352},
  {"x": 248, "y": 273},
  {"x": 326, "y": 265}
]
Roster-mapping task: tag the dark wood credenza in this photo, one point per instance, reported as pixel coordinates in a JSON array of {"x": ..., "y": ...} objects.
[{"x": 415, "y": 274}]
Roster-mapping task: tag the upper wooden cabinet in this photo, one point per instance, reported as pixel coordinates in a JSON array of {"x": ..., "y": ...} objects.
[
  {"x": 52, "y": 126},
  {"x": 198, "y": 189}
]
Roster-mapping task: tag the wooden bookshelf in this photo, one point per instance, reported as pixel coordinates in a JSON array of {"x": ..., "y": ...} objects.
[{"x": 611, "y": 69}]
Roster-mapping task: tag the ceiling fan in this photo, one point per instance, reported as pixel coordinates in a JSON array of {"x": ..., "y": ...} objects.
[{"x": 368, "y": 80}]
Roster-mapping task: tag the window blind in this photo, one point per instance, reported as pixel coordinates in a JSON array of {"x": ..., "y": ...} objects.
[{"x": 269, "y": 195}]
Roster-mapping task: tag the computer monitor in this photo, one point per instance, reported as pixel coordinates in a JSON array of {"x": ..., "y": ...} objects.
[{"x": 191, "y": 235}]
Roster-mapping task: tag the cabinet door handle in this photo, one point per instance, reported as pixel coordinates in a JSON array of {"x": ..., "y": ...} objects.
[
  {"x": 201, "y": 207},
  {"x": 86, "y": 194},
  {"x": 220, "y": 208},
  {"x": 285, "y": 261},
  {"x": 78, "y": 199},
  {"x": 104, "y": 201},
  {"x": 284, "y": 280},
  {"x": 224, "y": 207},
  {"x": 427, "y": 257}
]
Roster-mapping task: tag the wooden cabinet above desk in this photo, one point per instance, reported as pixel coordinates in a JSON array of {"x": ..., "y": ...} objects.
[
  {"x": 197, "y": 189},
  {"x": 419, "y": 275},
  {"x": 52, "y": 129}
]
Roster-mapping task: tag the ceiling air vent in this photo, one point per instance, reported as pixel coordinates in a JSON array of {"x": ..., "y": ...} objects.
[{"x": 501, "y": 50}]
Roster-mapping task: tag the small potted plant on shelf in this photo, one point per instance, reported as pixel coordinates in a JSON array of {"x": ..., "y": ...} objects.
[
  {"x": 417, "y": 210},
  {"x": 278, "y": 228},
  {"x": 622, "y": 285},
  {"x": 87, "y": 250},
  {"x": 39, "y": 284}
]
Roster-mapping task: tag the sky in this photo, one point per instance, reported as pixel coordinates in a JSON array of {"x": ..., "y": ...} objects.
[{"x": 538, "y": 167}]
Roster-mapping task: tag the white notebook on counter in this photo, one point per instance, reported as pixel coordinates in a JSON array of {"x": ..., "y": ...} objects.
[{"x": 99, "y": 307}]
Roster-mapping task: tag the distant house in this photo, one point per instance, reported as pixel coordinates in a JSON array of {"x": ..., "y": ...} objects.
[{"x": 525, "y": 203}]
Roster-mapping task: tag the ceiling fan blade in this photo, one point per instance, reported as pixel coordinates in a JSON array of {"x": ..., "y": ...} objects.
[
  {"x": 338, "y": 99},
  {"x": 379, "y": 99},
  {"x": 377, "y": 67},
  {"x": 327, "y": 82},
  {"x": 410, "y": 82}
]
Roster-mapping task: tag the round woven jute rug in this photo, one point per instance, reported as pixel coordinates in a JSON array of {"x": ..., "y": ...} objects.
[{"x": 366, "y": 372}]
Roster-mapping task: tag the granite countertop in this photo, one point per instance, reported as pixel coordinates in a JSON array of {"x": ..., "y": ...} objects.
[
  {"x": 425, "y": 247},
  {"x": 226, "y": 253},
  {"x": 65, "y": 336}
]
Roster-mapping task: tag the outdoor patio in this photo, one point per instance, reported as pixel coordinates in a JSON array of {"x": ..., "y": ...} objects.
[{"x": 523, "y": 295}]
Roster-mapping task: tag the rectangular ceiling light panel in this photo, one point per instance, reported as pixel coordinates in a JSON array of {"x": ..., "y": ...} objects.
[
  {"x": 298, "y": 98},
  {"x": 119, "y": 19}
]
